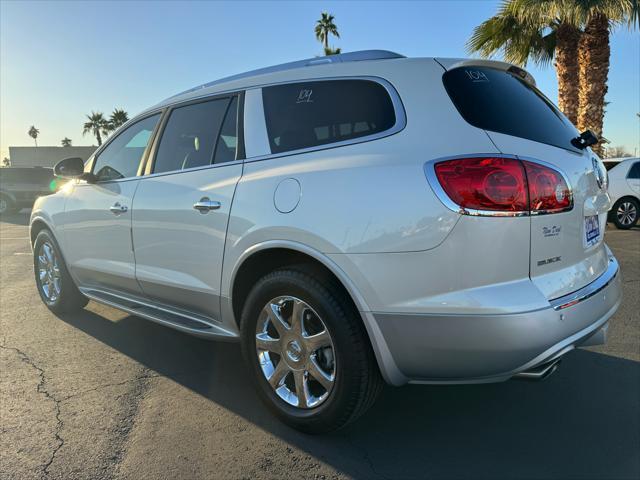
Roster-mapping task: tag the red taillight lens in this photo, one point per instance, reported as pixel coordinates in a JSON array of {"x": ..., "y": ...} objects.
[
  {"x": 548, "y": 192},
  {"x": 497, "y": 184},
  {"x": 503, "y": 185}
]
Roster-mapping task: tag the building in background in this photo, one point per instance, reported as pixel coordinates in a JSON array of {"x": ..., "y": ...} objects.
[{"x": 46, "y": 156}]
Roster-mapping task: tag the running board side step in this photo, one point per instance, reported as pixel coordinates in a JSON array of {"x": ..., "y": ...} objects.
[{"x": 186, "y": 322}]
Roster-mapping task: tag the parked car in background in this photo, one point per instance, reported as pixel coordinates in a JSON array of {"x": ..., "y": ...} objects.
[
  {"x": 609, "y": 163},
  {"x": 348, "y": 219},
  {"x": 20, "y": 186},
  {"x": 624, "y": 190}
]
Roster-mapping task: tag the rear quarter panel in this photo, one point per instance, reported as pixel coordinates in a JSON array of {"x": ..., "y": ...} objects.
[{"x": 364, "y": 198}]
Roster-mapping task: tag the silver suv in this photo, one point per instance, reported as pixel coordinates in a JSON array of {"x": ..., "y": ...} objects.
[{"x": 350, "y": 219}]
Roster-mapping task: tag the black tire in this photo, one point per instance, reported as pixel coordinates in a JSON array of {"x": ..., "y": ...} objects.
[
  {"x": 625, "y": 213},
  {"x": 69, "y": 298},
  {"x": 7, "y": 206},
  {"x": 357, "y": 377}
]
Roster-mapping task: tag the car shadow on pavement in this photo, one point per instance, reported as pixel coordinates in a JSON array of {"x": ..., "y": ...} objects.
[{"x": 583, "y": 421}]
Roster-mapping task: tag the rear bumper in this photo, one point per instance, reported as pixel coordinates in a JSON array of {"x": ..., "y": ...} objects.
[{"x": 456, "y": 348}]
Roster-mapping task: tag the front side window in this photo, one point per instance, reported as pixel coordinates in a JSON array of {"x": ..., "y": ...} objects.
[
  {"x": 197, "y": 135},
  {"x": 310, "y": 114},
  {"x": 121, "y": 158}
]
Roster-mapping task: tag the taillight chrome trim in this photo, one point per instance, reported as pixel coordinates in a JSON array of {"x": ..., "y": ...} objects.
[{"x": 434, "y": 183}]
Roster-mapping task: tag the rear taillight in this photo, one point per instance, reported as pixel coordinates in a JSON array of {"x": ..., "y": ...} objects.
[
  {"x": 548, "y": 191},
  {"x": 503, "y": 185}
]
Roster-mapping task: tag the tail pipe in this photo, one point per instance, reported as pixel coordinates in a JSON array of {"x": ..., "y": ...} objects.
[{"x": 539, "y": 372}]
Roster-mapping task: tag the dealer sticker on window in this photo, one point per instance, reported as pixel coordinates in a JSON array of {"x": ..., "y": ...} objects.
[{"x": 591, "y": 230}]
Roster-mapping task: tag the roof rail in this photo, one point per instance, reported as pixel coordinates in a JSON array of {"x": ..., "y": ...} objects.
[{"x": 339, "y": 58}]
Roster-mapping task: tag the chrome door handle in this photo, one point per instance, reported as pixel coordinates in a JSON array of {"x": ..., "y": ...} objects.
[
  {"x": 117, "y": 209},
  {"x": 204, "y": 205}
]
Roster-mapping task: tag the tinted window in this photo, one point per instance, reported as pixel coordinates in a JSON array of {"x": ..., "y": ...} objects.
[
  {"x": 634, "y": 171},
  {"x": 189, "y": 139},
  {"x": 500, "y": 102},
  {"x": 121, "y": 158},
  {"x": 228, "y": 140},
  {"x": 301, "y": 115}
]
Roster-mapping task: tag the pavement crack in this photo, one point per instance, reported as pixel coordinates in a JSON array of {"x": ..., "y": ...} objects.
[
  {"x": 42, "y": 390},
  {"x": 107, "y": 385}
]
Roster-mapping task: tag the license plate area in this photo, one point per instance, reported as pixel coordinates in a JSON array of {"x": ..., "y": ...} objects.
[{"x": 591, "y": 230}]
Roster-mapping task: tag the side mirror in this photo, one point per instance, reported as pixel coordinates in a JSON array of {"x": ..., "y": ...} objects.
[{"x": 69, "y": 168}]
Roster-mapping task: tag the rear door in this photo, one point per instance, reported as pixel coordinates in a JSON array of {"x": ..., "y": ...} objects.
[
  {"x": 567, "y": 250},
  {"x": 182, "y": 207}
]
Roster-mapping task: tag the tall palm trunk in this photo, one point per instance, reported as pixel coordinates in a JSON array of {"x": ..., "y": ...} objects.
[
  {"x": 98, "y": 137},
  {"x": 594, "y": 69},
  {"x": 567, "y": 70}
]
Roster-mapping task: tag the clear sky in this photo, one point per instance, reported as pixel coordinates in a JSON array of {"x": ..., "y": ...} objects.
[{"x": 61, "y": 60}]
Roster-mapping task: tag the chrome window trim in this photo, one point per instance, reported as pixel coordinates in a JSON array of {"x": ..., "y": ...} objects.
[
  {"x": 432, "y": 179},
  {"x": 399, "y": 125}
]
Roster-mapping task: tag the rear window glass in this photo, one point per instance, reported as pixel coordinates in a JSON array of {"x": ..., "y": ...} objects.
[
  {"x": 497, "y": 101},
  {"x": 309, "y": 114}
]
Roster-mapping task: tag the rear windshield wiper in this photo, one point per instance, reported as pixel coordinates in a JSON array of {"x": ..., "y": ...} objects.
[{"x": 584, "y": 140}]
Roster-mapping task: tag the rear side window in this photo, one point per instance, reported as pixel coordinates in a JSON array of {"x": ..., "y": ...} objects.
[
  {"x": 634, "y": 171},
  {"x": 310, "y": 114},
  {"x": 192, "y": 136},
  {"x": 497, "y": 101}
]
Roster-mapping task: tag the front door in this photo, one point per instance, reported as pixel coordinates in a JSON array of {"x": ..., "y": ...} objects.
[
  {"x": 97, "y": 218},
  {"x": 182, "y": 208}
]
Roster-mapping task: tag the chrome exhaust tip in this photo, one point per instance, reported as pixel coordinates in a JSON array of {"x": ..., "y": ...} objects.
[{"x": 539, "y": 372}]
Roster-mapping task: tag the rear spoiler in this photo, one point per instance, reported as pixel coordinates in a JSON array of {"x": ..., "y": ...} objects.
[{"x": 451, "y": 63}]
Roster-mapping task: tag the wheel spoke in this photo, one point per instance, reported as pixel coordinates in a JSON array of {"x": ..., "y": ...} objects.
[
  {"x": 273, "y": 312},
  {"x": 42, "y": 274},
  {"x": 316, "y": 372},
  {"x": 296, "y": 316},
  {"x": 319, "y": 340},
  {"x": 302, "y": 390},
  {"x": 277, "y": 377},
  {"x": 265, "y": 342},
  {"x": 46, "y": 248}
]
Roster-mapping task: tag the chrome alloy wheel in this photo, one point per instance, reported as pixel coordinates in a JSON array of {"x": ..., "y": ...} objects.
[
  {"x": 626, "y": 213},
  {"x": 49, "y": 272},
  {"x": 296, "y": 352}
]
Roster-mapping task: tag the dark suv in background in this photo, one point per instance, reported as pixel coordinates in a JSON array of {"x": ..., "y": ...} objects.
[{"x": 20, "y": 186}]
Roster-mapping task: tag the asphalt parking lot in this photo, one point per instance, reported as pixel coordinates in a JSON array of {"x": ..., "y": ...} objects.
[{"x": 101, "y": 394}]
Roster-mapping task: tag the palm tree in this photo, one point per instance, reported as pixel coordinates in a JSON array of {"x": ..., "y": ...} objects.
[
  {"x": 538, "y": 37},
  {"x": 66, "y": 142},
  {"x": 324, "y": 28},
  {"x": 33, "y": 133},
  {"x": 96, "y": 125},
  {"x": 581, "y": 95},
  {"x": 6, "y": 162},
  {"x": 118, "y": 118}
]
